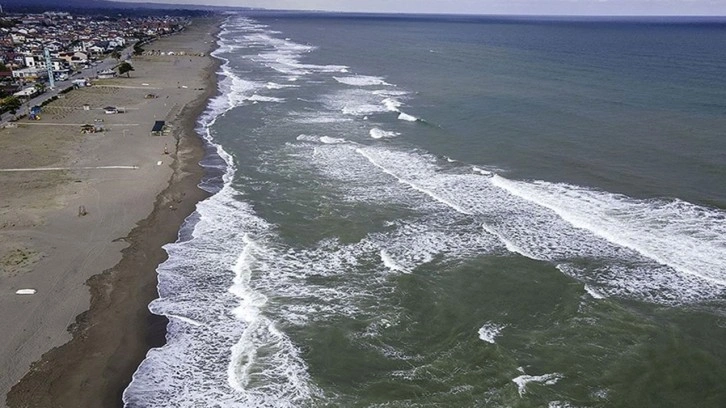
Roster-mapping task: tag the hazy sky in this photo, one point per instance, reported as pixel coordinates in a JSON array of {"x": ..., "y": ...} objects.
[{"x": 559, "y": 7}]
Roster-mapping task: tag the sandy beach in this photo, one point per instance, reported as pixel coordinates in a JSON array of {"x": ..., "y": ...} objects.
[{"x": 83, "y": 218}]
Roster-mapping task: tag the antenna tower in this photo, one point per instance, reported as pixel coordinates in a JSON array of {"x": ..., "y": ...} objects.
[{"x": 49, "y": 67}]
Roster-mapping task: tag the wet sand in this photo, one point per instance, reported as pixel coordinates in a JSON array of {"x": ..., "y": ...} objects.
[{"x": 94, "y": 274}]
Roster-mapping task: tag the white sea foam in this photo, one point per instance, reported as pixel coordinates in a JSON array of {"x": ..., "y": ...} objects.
[
  {"x": 481, "y": 171},
  {"x": 262, "y": 98},
  {"x": 560, "y": 404},
  {"x": 229, "y": 326},
  {"x": 324, "y": 119},
  {"x": 308, "y": 138},
  {"x": 374, "y": 159},
  {"x": 538, "y": 232},
  {"x": 209, "y": 326},
  {"x": 390, "y": 263},
  {"x": 377, "y": 133},
  {"x": 509, "y": 243},
  {"x": 391, "y": 104},
  {"x": 685, "y": 237},
  {"x": 274, "y": 85},
  {"x": 227, "y": 348},
  {"x": 235, "y": 91},
  {"x": 490, "y": 331},
  {"x": 389, "y": 92},
  {"x": 546, "y": 379},
  {"x": 360, "y": 102},
  {"x": 320, "y": 139},
  {"x": 361, "y": 80},
  {"x": 184, "y": 319},
  {"x": 407, "y": 245},
  {"x": 407, "y": 117},
  {"x": 360, "y": 109},
  {"x": 284, "y": 55},
  {"x": 332, "y": 140},
  {"x": 594, "y": 292},
  {"x": 318, "y": 118}
]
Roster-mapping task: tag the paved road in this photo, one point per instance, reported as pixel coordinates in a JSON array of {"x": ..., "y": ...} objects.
[{"x": 90, "y": 72}]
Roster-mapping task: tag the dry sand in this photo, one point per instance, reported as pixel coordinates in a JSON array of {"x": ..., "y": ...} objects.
[{"x": 95, "y": 274}]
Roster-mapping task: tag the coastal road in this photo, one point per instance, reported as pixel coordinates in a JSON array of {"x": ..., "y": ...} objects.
[{"x": 89, "y": 72}]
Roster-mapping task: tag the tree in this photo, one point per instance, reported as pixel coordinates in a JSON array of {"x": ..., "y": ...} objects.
[
  {"x": 116, "y": 55},
  {"x": 39, "y": 87},
  {"x": 138, "y": 50},
  {"x": 12, "y": 104},
  {"x": 125, "y": 68}
]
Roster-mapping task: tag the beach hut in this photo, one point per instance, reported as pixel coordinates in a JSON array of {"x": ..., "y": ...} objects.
[{"x": 158, "y": 128}]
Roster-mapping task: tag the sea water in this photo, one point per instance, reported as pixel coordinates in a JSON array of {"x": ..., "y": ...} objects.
[{"x": 453, "y": 212}]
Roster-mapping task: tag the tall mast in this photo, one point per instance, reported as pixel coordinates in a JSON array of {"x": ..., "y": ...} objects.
[{"x": 49, "y": 67}]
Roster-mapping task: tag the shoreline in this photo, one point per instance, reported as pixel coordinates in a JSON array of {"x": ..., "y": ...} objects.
[{"x": 112, "y": 337}]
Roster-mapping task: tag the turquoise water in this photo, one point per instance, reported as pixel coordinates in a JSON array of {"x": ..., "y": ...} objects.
[{"x": 426, "y": 212}]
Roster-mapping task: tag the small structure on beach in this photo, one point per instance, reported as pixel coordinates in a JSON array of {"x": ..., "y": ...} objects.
[
  {"x": 80, "y": 83},
  {"x": 106, "y": 74},
  {"x": 158, "y": 128},
  {"x": 34, "y": 113},
  {"x": 95, "y": 128}
]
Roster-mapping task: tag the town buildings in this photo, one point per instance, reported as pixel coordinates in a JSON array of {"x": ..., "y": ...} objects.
[{"x": 30, "y": 43}]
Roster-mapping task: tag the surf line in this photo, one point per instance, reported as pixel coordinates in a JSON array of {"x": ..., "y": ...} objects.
[
  {"x": 71, "y": 168},
  {"x": 414, "y": 185}
]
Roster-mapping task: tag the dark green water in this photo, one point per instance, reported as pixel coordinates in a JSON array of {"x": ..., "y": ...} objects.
[{"x": 430, "y": 213}]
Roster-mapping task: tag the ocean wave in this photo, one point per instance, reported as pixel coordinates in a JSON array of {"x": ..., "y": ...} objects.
[
  {"x": 362, "y": 80},
  {"x": 407, "y": 117},
  {"x": 233, "y": 286},
  {"x": 377, "y": 133},
  {"x": 284, "y": 55},
  {"x": 208, "y": 326},
  {"x": 489, "y": 332},
  {"x": 228, "y": 328},
  {"x": 653, "y": 250},
  {"x": 546, "y": 379},
  {"x": 262, "y": 98},
  {"x": 687, "y": 238}
]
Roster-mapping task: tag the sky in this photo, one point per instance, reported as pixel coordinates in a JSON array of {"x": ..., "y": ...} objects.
[{"x": 536, "y": 7}]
